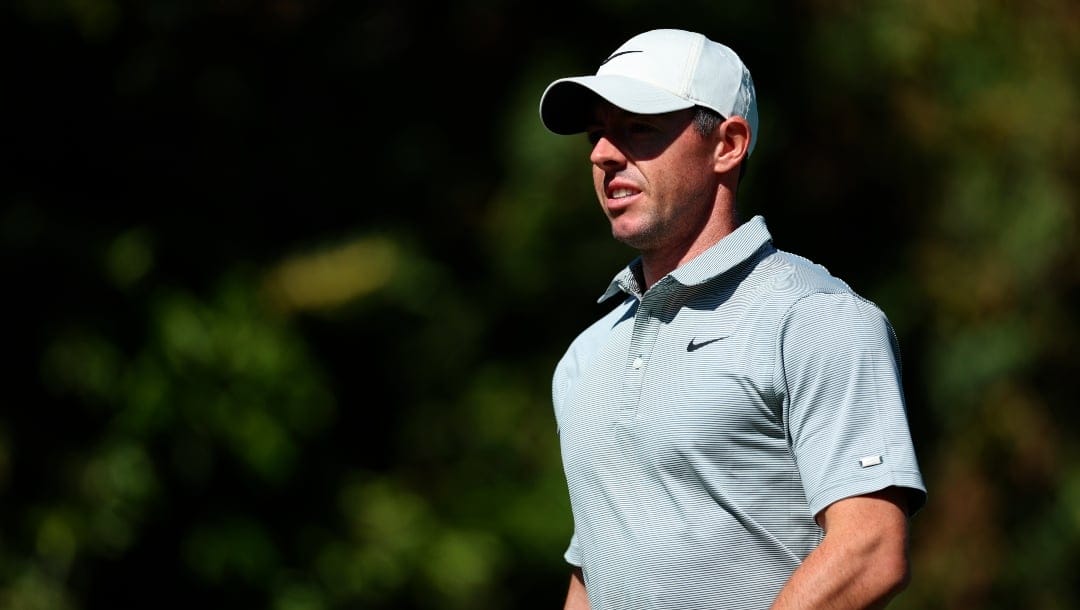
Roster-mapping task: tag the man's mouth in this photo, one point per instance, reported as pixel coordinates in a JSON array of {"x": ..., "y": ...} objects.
[{"x": 619, "y": 193}]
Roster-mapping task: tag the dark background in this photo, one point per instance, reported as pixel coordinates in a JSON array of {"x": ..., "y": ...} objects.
[{"x": 285, "y": 283}]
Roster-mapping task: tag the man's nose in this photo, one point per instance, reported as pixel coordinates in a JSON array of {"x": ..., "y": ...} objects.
[{"x": 605, "y": 154}]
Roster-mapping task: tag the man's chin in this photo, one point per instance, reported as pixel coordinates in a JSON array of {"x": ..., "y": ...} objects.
[{"x": 638, "y": 240}]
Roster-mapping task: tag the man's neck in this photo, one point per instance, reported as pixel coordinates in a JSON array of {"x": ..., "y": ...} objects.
[{"x": 655, "y": 264}]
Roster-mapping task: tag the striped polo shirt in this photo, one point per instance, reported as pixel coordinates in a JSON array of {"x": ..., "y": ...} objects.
[{"x": 705, "y": 421}]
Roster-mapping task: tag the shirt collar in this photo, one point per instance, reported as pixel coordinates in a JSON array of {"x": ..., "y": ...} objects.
[{"x": 733, "y": 249}]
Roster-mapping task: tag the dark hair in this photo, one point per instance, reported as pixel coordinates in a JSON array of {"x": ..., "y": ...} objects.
[{"x": 705, "y": 121}]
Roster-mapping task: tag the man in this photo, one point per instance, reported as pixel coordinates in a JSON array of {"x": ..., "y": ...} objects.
[{"x": 733, "y": 432}]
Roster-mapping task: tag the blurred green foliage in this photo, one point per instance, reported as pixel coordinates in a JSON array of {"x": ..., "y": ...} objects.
[{"x": 286, "y": 283}]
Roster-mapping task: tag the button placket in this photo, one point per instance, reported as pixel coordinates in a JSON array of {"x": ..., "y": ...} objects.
[{"x": 647, "y": 323}]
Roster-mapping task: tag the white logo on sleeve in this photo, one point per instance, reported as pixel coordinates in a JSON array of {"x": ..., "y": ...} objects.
[{"x": 870, "y": 460}]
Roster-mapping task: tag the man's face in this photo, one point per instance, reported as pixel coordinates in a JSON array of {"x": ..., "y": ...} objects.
[{"x": 653, "y": 175}]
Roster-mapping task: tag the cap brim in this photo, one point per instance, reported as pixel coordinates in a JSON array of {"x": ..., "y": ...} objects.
[{"x": 567, "y": 104}]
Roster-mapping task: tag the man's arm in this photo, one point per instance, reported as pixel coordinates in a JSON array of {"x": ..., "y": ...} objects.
[
  {"x": 862, "y": 561},
  {"x": 576, "y": 599}
]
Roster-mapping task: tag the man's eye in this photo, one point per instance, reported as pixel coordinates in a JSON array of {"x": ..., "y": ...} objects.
[
  {"x": 641, "y": 128},
  {"x": 594, "y": 136}
]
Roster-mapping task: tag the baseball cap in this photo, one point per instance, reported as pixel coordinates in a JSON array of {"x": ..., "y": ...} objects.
[{"x": 655, "y": 72}]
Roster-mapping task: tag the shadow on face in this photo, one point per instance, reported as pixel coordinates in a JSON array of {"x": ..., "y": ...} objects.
[{"x": 637, "y": 136}]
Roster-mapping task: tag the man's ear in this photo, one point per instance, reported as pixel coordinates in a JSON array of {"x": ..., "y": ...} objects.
[{"x": 732, "y": 144}]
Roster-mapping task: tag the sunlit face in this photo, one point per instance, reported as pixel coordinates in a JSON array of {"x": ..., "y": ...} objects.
[{"x": 653, "y": 175}]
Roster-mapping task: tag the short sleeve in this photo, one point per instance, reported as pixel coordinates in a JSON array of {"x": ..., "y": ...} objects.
[
  {"x": 573, "y": 554},
  {"x": 845, "y": 412}
]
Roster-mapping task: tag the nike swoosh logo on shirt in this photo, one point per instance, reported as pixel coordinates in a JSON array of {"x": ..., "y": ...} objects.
[{"x": 691, "y": 347}]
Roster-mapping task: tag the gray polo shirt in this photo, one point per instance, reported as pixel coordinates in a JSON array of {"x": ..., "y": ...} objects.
[{"x": 705, "y": 422}]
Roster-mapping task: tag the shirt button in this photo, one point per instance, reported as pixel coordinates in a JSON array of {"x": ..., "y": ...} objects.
[{"x": 637, "y": 363}]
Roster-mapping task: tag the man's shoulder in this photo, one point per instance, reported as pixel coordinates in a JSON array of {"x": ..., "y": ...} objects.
[
  {"x": 782, "y": 280},
  {"x": 807, "y": 295},
  {"x": 585, "y": 346},
  {"x": 811, "y": 274},
  {"x": 595, "y": 332},
  {"x": 793, "y": 271}
]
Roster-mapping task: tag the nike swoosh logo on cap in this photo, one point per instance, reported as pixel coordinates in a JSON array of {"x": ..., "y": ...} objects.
[{"x": 614, "y": 55}]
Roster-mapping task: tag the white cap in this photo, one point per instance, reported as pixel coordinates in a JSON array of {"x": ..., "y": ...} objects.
[{"x": 656, "y": 72}]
